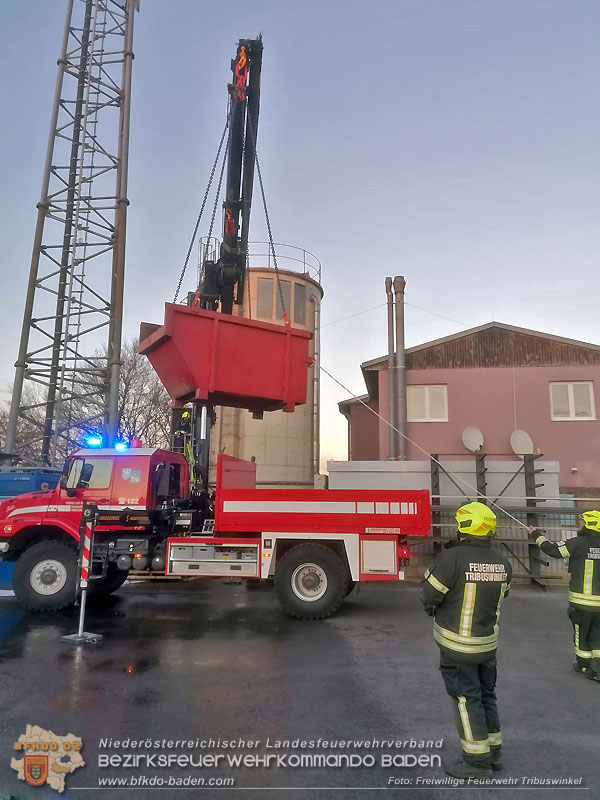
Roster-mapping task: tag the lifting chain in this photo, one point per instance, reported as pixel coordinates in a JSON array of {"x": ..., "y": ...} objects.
[
  {"x": 206, "y": 193},
  {"x": 286, "y": 319}
]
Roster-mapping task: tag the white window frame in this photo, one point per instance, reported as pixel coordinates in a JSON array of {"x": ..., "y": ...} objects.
[
  {"x": 572, "y": 417},
  {"x": 427, "y": 387}
]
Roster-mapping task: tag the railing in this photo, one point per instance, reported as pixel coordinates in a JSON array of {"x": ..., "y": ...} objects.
[
  {"x": 289, "y": 257},
  {"x": 526, "y": 559}
]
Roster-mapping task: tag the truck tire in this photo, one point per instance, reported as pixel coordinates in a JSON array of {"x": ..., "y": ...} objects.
[
  {"x": 351, "y": 585},
  {"x": 311, "y": 581},
  {"x": 115, "y": 578},
  {"x": 45, "y": 576}
]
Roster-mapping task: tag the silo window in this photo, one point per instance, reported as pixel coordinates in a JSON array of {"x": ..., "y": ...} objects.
[
  {"x": 265, "y": 298},
  {"x": 299, "y": 304},
  {"x": 286, "y": 290}
]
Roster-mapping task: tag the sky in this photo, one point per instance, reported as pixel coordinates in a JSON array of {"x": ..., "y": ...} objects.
[{"x": 455, "y": 142}]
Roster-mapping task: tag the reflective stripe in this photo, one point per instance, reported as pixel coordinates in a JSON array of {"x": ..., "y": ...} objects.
[
  {"x": 562, "y": 548},
  {"x": 475, "y": 748},
  {"x": 464, "y": 717},
  {"x": 595, "y": 653},
  {"x": 288, "y": 507},
  {"x": 591, "y": 600},
  {"x": 435, "y": 583},
  {"x": 578, "y": 652},
  {"x": 29, "y": 510},
  {"x": 463, "y": 648},
  {"x": 503, "y": 590},
  {"x": 456, "y": 637},
  {"x": 495, "y": 739},
  {"x": 588, "y": 576},
  {"x": 314, "y": 507},
  {"x": 468, "y": 606}
]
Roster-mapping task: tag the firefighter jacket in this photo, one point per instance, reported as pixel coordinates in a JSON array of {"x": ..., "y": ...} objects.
[
  {"x": 463, "y": 591},
  {"x": 583, "y": 552}
]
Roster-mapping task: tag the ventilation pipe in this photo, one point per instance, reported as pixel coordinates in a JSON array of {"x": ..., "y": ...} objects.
[
  {"x": 391, "y": 371},
  {"x": 399, "y": 285},
  {"x": 317, "y": 387}
]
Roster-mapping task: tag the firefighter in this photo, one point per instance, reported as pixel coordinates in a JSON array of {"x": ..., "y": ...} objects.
[
  {"x": 583, "y": 552},
  {"x": 463, "y": 592}
]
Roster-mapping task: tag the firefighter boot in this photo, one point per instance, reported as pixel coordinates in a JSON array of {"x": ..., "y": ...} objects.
[
  {"x": 496, "y": 757},
  {"x": 579, "y": 667},
  {"x": 593, "y": 671},
  {"x": 474, "y": 767}
]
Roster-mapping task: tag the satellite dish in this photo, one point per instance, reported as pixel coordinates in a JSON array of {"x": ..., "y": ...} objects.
[
  {"x": 472, "y": 438},
  {"x": 521, "y": 443}
]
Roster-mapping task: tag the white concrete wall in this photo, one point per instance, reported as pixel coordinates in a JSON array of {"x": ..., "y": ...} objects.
[{"x": 417, "y": 475}]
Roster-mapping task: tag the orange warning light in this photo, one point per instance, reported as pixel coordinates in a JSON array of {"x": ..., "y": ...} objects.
[{"x": 241, "y": 74}]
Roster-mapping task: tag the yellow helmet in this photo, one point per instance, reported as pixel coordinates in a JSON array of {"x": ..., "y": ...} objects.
[
  {"x": 591, "y": 520},
  {"x": 477, "y": 519}
]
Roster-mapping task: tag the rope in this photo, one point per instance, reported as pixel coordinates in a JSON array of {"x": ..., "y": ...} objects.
[
  {"x": 435, "y": 460},
  {"x": 210, "y": 180},
  {"x": 286, "y": 319}
]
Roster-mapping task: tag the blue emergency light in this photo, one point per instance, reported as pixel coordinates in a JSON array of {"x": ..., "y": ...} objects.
[
  {"x": 121, "y": 446},
  {"x": 94, "y": 441}
]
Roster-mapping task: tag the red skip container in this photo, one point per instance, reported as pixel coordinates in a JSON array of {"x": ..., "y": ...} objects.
[{"x": 225, "y": 360}]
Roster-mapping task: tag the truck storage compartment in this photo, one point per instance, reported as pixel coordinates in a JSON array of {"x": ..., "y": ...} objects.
[
  {"x": 191, "y": 556},
  {"x": 225, "y": 360}
]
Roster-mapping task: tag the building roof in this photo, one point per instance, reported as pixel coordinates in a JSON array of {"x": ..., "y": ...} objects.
[
  {"x": 494, "y": 344},
  {"x": 488, "y": 325},
  {"x": 343, "y": 404}
]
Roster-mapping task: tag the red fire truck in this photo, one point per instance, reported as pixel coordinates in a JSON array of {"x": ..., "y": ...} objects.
[{"x": 314, "y": 544}]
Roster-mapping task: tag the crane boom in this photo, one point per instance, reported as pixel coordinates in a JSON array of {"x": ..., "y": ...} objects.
[{"x": 223, "y": 281}]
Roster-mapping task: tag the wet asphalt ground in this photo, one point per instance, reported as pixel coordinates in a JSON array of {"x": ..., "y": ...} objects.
[{"x": 206, "y": 659}]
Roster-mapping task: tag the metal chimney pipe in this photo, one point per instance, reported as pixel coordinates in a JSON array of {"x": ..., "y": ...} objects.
[
  {"x": 391, "y": 370},
  {"x": 317, "y": 387},
  {"x": 399, "y": 286}
]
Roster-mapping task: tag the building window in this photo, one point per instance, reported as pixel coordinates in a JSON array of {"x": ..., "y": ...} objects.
[
  {"x": 265, "y": 298},
  {"x": 299, "y": 304},
  {"x": 286, "y": 291},
  {"x": 572, "y": 400},
  {"x": 427, "y": 403}
]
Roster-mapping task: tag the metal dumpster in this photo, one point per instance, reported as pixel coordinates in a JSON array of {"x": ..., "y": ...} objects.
[{"x": 225, "y": 360}]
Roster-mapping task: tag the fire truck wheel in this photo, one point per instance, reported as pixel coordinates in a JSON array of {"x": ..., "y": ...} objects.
[
  {"x": 115, "y": 578},
  {"x": 351, "y": 585},
  {"x": 45, "y": 576},
  {"x": 311, "y": 581}
]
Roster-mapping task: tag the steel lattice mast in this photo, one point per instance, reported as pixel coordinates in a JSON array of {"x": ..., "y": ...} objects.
[{"x": 67, "y": 370}]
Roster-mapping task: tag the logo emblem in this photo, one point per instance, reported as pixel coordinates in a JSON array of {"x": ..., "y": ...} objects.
[
  {"x": 126, "y": 473},
  {"x": 36, "y": 770},
  {"x": 42, "y": 757}
]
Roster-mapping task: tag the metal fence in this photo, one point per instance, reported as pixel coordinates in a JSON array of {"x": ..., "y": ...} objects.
[{"x": 527, "y": 560}]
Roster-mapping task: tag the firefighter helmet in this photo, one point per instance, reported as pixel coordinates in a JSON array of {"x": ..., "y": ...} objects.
[
  {"x": 476, "y": 519},
  {"x": 591, "y": 520}
]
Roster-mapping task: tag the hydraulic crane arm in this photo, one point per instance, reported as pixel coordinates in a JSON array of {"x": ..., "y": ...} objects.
[{"x": 224, "y": 279}]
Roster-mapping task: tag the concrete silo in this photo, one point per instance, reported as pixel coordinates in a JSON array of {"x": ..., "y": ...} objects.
[{"x": 284, "y": 446}]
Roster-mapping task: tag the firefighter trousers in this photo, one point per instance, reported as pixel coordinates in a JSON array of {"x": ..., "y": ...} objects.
[
  {"x": 472, "y": 688},
  {"x": 586, "y": 637}
]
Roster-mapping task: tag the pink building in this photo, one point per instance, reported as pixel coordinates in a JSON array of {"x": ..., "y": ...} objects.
[{"x": 496, "y": 378}]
